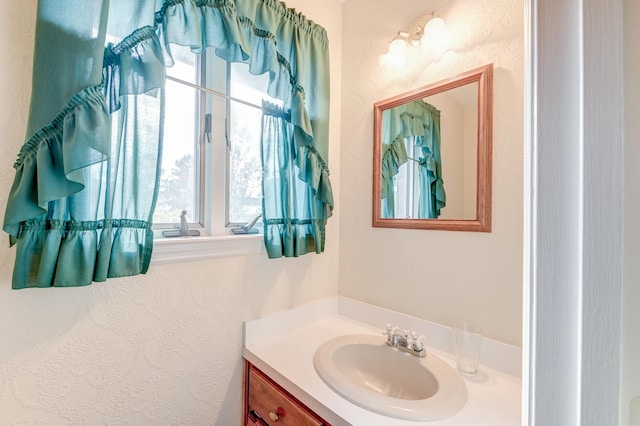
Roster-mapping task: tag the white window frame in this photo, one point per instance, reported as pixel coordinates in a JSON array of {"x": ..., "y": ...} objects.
[
  {"x": 216, "y": 239},
  {"x": 187, "y": 249}
]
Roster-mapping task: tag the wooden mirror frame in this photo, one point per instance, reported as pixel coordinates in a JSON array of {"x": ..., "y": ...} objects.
[{"x": 482, "y": 223}]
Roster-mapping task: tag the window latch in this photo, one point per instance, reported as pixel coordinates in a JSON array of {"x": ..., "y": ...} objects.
[
  {"x": 184, "y": 230},
  {"x": 248, "y": 228},
  {"x": 207, "y": 127},
  {"x": 226, "y": 132}
]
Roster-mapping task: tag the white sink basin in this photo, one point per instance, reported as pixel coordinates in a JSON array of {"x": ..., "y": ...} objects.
[{"x": 366, "y": 371}]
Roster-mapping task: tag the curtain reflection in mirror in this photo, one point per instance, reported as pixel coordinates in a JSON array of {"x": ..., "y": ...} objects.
[{"x": 410, "y": 154}]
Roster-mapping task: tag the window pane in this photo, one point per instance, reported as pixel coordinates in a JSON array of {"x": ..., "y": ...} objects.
[
  {"x": 245, "y": 166},
  {"x": 178, "y": 189},
  {"x": 185, "y": 64},
  {"x": 248, "y": 87}
]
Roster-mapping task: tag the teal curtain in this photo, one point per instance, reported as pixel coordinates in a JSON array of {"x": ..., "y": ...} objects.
[
  {"x": 294, "y": 212},
  {"x": 416, "y": 123},
  {"x": 394, "y": 155},
  {"x": 87, "y": 175},
  {"x": 421, "y": 121}
]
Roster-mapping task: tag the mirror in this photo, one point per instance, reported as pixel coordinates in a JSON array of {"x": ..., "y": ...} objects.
[{"x": 432, "y": 155}]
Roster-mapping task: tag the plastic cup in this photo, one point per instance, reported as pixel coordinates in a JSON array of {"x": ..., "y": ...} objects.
[{"x": 467, "y": 340}]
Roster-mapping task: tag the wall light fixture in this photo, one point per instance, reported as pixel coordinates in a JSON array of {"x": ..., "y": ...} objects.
[{"x": 426, "y": 30}]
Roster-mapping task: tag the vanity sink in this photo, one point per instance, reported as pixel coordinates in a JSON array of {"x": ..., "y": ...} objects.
[{"x": 366, "y": 371}]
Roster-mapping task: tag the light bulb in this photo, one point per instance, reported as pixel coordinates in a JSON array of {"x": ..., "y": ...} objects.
[
  {"x": 393, "y": 60},
  {"x": 397, "y": 45},
  {"x": 415, "y": 42},
  {"x": 434, "y": 29}
]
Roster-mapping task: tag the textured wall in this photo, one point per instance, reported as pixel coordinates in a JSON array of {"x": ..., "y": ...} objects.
[
  {"x": 164, "y": 348},
  {"x": 436, "y": 275}
]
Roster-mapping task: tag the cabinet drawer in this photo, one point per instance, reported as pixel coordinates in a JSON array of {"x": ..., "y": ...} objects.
[{"x": 275, "y": 406}]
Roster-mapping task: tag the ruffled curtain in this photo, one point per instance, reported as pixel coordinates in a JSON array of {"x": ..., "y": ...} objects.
[
  {"x": 86, "y": 182},
  {"x": 293, "y": 213},
  {"x": 394, "y": 155},
  {"x": 419, "y": 123}
]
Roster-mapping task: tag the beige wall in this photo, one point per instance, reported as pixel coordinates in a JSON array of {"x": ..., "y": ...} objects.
[
  {"x": 440, "y": 276},
  {"x": 156, "y": 349}
]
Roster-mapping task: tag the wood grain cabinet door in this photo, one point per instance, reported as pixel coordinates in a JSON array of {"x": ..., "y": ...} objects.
[{"x": 269, "y": 404}]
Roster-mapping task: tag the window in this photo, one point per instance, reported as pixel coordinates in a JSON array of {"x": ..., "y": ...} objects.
[
  {"x": 211, "y": 155},
  {"x": 93, "y": 154},
  {"x": 406, "y": 183}
]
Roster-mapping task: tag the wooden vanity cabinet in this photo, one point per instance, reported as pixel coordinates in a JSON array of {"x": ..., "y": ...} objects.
[{"x": 267, "y": 404}]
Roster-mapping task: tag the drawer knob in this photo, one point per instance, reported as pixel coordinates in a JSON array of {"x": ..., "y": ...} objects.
[{"x": 276, "y": 416}]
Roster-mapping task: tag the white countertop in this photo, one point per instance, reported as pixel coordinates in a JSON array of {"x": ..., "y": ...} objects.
[{"x": 282, "y": 345}]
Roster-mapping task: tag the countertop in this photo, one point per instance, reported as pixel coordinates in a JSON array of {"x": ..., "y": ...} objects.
[{"x": 282, "y": 346}]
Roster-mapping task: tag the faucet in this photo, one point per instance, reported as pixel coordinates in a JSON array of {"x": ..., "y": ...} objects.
[{"x": 406, "y": 341}]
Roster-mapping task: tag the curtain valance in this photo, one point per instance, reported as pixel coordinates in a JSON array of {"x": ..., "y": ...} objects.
[{"x": 81, "y": 205}]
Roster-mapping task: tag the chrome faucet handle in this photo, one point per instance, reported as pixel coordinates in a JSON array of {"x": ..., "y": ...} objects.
[
  {"x": 390, "y": 331},
  {"x": 387, "y": 332},
  {"x": 416, "y": 340},
  {"x": 409, "y": 342}
]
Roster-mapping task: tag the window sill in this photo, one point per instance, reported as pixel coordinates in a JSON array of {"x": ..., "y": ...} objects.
[{"x": 187, "y": 249}]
